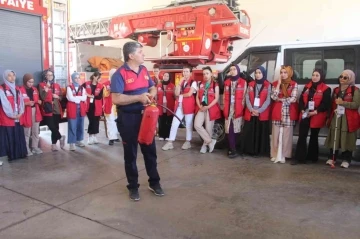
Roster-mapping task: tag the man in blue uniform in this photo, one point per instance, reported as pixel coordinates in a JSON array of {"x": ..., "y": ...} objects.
[{"x": 131, "y": 89}]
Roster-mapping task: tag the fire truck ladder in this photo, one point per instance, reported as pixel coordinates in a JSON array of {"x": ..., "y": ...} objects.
[{"x": 95, "y": 30}]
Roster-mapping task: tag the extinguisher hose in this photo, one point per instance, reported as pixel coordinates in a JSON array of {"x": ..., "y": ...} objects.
[{"x": 172, "y": 112}]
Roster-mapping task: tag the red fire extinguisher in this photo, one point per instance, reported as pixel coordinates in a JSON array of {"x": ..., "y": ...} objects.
[{"x": 149, "y": 122}]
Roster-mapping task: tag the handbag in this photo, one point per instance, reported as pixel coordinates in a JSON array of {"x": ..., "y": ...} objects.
[{"x": 48, "y": 108}]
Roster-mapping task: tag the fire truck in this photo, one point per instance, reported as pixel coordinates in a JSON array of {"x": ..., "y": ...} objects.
[
  {"x": 34, "y": 37},
  {"x": 198, "y": 33}
]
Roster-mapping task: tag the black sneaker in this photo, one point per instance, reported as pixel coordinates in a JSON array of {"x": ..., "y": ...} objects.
[
  {"x": 111, "y": 142},
  {"x": 117, "y": 140},
  {"x": 232, "y": 153},
  {"x": 134, "y": 194},
  {"x": 157, "y": 190}
]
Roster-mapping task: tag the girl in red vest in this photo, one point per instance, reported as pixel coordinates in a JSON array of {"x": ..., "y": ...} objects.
[
  {"x": 76, "y": 111},
  {"x": 12, "y": 138},
  {"x": 184, "y": 107},
  {"x": 256, "y": 132},
  {"x": 234, "y": 101},
  {"x": 345, "y": 104},
  {"x": 32, "y": 115},
  {"x": 94, "y": 92},
  {"x": 110, "y": 111},
  {"x": 208, "y": 110},
  {"x": 166, "y": 97},
  {"x": 314, "y": 105},
  {"x": 50, "y": 95},
  {"x": 284, "y": 113}
]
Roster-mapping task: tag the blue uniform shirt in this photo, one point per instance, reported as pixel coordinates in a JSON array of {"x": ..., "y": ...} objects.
[{"x": 126, "y": 81}]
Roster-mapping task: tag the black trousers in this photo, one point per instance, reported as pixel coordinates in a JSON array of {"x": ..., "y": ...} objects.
[
  {"x": 165, "y": 122},
  {"x": 303, "y": 152},
  {"x": 94, "y": 123},
  {"x": 129, "y": 126},
  {"x": 53, "y": 123}
]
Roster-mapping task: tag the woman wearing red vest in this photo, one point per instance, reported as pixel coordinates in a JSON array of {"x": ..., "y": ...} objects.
[
  {"x": 12, "y": 138},
  {"x": 76, "y": 111},
  {"x": 94, "y": 92},
  {"x": 184, "y": 107},
  {"x": 284, "y": 113},
  {"x": 208, "y": 110},
  {"x": 345, "y": 104},
  {"x": 314, "y": 105},
  {"x": 166, "y": 97},
  {"x": 256, "y": 132},
  {"x": 50, "y": 95},
  {"x": 234, "y": 101},
  {"x": 110, "y": 111},
  {"x": 32, "y": 114}
]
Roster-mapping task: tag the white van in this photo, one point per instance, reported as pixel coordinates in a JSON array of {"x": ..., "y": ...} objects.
[{"x": 331, "y": 56}]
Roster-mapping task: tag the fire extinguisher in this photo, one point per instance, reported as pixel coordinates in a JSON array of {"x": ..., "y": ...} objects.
[{"x": 149, "y": 122}]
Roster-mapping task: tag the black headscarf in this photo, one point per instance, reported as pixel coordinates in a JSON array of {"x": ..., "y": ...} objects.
[
  {"x": 264, "y": 73},
  {"x": 235, "y": 78},
  {"x": 322, "y": 78}
]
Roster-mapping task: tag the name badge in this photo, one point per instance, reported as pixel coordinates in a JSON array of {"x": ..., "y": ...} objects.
[
  {"x": 257, "y": 102},
  {"x": 180, "y": 98},
  {"x": 232, "y": 100},
  {"x": 164, "y": 99},
  {"x": 340, "y": 110},
  {"x": 203, "y": 98},
  {"x": 311, "y": 105},
  {"x": 91, "y": 100}
]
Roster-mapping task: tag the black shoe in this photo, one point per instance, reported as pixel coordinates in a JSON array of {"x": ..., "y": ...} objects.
[
  {"x": 117, "y": 140},
  {"x": 134, "y": 194},
  {"x": 294, "y": 162},
  {"x": 232, "y": 153},
  {"x": 157, "y": 190},
  {"x": 111, "y": 142}
]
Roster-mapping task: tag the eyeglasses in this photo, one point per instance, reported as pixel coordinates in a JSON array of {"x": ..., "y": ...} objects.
[{"x": 343, "y": 77}]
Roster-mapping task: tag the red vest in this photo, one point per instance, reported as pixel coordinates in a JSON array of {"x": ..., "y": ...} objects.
[
  {"x": 57, "y": 90},
  {"x": 214, "y": 111},
  {"x": 4, "y": 120},
  {"x": 239, "y": 97},
  {"x": 188, "y": 103},
  {"x": 71, "y": 106},
  {"x": 98, "y": 103},
  {"x": 170, "y": 97},
  {"x": 318, "y": 120},
  {"x": 277, "y": 105},
  {"x": 107, "y": 100},
  {"x": 27, "y": 116},
  {"x": 262, "y": 96},
  {"x": 352, "y": 115}
]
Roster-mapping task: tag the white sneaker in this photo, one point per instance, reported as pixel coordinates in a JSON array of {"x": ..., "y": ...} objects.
[
  {"x": 62, "y": 141},
  {"x": 90, "y": 140},
  {"x": 212, "y": 145},
  {"x": 167, "y": 139},
  {"x": 72, "y": 147},
  {"x": 80, "y": 144},
  {"x": 1, "y": 163},
  {"x": 168, "y": 146},
  {"x": 37, "y": 151},
  {"x": 54, "y": 147},
  {"x": 161, "y": 139},
  {"x": 272, "y": 159},
  {"x": 329, "y": 162},
  {"x": 203, "y": 149},
  {"x": 95, "y": 140},
  {"x": 186, "y": 145},
  {"x": 29, "y": 153},
  {"x": 345, "y": 164},
  {"x": 282, "y": 160}
]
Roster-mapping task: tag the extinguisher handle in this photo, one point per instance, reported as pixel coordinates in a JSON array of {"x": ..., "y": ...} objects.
[{"x": 172, "y": 112}]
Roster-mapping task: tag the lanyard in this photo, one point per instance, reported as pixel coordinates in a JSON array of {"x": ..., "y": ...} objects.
[
  {"x": 262, "y": 87},
  {"x": 77, "y": 91}
]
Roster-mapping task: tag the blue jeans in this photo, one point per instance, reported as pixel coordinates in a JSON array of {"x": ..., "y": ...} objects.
[{"x": 76, "y": 128}]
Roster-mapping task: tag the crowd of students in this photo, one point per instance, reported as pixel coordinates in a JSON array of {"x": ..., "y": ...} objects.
[
  {"x": 249, "y": 108},
  {"x": 256, "y": 110},
  {"x": 22, "y": 108}
]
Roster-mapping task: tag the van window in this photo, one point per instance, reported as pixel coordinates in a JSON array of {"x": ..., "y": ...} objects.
[
  {"x": 332, "y": 61},
  {"x": 256, "y": 59}
]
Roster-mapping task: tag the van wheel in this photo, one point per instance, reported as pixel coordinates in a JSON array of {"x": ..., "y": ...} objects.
[{"x": 219, "y": 133}]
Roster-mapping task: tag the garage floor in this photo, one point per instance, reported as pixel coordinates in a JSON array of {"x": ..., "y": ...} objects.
[{"x": 82, "y": 194}]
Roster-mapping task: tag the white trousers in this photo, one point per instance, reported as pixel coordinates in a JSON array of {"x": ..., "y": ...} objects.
[
  {"x": 112, "y": 130},
  {"x": 175, "y": 124}
]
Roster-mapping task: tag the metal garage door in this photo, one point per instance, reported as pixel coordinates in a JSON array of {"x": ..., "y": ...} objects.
[{"x": 20, "y": 44}]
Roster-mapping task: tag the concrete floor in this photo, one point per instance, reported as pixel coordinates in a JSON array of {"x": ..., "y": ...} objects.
[{"x": 82, "y": 194}]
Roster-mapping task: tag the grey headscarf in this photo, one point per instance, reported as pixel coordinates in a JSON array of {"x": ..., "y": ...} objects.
[{"x": 12, "y": 86}]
